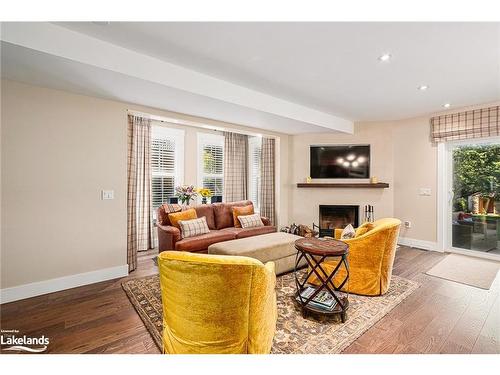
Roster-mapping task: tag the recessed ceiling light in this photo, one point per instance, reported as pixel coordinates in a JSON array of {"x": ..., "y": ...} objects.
[
  {"x": 423, "y": 87},
  {"x": 446, "y": 105},
  {"x": 385, "y": 57}
]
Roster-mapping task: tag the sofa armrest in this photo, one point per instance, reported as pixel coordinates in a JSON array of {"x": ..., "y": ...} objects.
[
  {"x": 167, "y": 237},
  {"x": 266, "y": 221}
]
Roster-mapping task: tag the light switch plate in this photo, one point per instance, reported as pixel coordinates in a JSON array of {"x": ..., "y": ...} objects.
[
  {"x": 424, "y": 191},
  {"x": 107, "y": 194}
]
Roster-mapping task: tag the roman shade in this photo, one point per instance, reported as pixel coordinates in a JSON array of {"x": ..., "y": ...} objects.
[{"x": 478, "y": 123}]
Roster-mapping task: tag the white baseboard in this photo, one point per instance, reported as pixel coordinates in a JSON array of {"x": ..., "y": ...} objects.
[
  {"x": 420, "y": 244},
  {"x": 54, "y": 285}
]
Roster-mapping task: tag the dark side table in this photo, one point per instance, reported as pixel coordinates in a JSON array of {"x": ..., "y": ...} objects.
[{"x": 315, "y": 251}]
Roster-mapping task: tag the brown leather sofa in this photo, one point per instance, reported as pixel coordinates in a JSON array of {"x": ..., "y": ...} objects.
[{"x": 220, "y": 222}]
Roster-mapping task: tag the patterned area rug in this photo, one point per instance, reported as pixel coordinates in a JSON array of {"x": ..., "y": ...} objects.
[{"x": 294, "y": 334}]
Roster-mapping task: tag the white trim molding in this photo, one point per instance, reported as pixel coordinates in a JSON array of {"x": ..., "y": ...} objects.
[
  {"x": 19, "y": 292},
  {"x": 419, "y": 244}
]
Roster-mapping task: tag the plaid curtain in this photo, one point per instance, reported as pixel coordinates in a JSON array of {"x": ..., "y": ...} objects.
[
  {"x": 235, "y": 167},
  {"x": 139, "y": 207},
  {"x": 479, "y": 123},
  {"x": 267, "y": 173}
]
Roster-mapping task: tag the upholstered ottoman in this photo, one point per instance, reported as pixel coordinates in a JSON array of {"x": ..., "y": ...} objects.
[{"x": 277, "y": 247}]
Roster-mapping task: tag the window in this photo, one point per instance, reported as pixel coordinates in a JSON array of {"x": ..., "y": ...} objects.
[
  {"x": 254, "y": 154},
  {"x": 211, "y": 164},
  {"x": 167, "y": 159}
]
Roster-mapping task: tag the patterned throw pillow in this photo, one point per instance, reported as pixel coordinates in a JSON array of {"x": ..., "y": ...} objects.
[
  {"x": 250, "y": 221},
  {"x": 348, "y": 232},
  {"x": 194, "y": 227},
  {"x": 183, "y": 215},
  {"x": 241, "y": 211}
]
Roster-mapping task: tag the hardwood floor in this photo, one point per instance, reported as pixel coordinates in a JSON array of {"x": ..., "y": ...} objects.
[{"x": 440, "y": 317}]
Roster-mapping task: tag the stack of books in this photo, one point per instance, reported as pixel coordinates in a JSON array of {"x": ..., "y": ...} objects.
[{"x": 323, "y": 300}]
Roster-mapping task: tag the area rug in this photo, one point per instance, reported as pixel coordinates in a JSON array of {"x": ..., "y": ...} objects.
[
  {"x": 476, "y": 272},
  {"x": 294, "y": 334}
]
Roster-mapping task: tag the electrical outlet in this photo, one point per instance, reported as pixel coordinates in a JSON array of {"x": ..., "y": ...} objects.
[
  {"x": 107, "y": 194},
  {"x": 408, "y": 224}
]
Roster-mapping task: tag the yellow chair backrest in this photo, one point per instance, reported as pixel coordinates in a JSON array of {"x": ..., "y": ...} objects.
[{"x": 217, "y": 304}]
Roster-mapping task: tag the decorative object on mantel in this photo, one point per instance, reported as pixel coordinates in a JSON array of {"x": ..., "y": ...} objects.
[
  {"x": 308, "y": 179},
  {"x": 374, "y": 180},
  {"x": 186, "y": 193},
  {"x": 205, "y": 193},
  {"x": 369, "y": 216},
  {"x": 359, "y": 185}
]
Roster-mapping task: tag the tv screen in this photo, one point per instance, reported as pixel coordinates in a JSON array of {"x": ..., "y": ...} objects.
[{"x": 346, "y": 161}]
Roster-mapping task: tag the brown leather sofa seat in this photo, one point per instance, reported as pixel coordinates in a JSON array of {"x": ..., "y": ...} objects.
[
  {"x": 220, "y": 222},
  {"x": 203, "y": 241}
]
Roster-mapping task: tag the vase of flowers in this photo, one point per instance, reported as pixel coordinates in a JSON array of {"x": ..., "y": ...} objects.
[
  {"x": 205, "y": 193},
  {"x": 186, "y": 194}
]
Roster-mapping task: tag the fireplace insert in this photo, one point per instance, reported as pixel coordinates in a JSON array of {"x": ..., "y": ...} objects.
[{"x": 337, "y": 216}]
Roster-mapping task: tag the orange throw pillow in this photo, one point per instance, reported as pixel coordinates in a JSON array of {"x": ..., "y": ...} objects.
[
  {"x": 241, "y": 211},
  {"x": 183, "y": 215}
]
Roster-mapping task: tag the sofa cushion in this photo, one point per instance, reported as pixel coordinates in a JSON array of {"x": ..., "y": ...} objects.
[
  {"x": 206, "y": 210},
  {"x": 183, "y": 215},
  {"x": 249, "y": 232},
  {"x": 223, "y": 213},
  {"x": 203, "y": 241},
  {"x": 241, "y": 211}
]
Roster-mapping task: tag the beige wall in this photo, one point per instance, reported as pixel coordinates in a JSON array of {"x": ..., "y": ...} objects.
[
  {"x": 415, "y": 167},
  {"x": 305, "y": 201},
  {"x": 58, "y": 151}
]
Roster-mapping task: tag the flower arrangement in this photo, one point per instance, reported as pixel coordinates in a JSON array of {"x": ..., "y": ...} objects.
[
  {"x": 205, "y": 193},
  {"x": 186, "y": 193}
]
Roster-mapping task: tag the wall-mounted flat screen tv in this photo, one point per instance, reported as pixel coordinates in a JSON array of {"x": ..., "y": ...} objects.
[{"x": 342, "y": 161}]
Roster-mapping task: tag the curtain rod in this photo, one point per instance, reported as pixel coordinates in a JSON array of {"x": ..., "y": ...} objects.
[{"x": 196, "y": 124}]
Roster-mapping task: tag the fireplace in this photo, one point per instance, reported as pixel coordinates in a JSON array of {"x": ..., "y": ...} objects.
[{"x": 336, "y": 216}]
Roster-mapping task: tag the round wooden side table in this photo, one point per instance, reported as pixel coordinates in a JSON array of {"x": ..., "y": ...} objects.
[{"x": 315, "y": 251}]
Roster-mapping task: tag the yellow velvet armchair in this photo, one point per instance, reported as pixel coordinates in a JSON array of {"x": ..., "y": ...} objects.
[
  {"x": 217, "y": 303},
  {"x": 371, "y": 257}
]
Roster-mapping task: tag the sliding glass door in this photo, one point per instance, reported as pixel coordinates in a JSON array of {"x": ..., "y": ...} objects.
[{"x": 474, "y": 192}]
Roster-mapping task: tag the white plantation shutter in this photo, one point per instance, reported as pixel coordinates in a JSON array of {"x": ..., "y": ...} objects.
[
  {"x": 254, "y": 157},
  {"x": 167, "y": 148},
  {"x": 211, "y": 162}
]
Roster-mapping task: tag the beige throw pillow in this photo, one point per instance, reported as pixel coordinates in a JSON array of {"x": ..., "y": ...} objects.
[
  {"x": 250, "y": 221},
  {"x": 194, "y": 227},
  {"x": 348, "y": 232}
]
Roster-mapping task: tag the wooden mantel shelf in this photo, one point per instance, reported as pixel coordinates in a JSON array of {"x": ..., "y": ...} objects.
[{"x": 349, "y": 185}]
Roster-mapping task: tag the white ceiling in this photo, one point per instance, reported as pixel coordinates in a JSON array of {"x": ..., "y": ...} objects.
[{"x": 331, "y": 67}]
